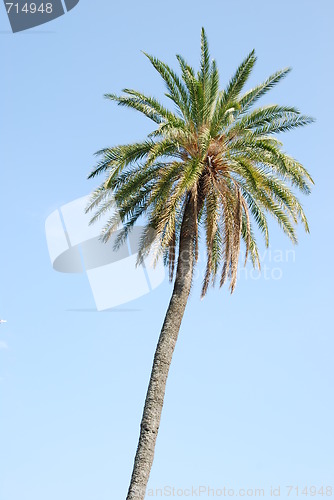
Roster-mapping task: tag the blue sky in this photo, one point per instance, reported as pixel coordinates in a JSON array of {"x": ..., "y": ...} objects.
[{"x": 249, "y": 401}]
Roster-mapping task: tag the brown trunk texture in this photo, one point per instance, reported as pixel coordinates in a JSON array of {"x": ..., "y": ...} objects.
[{"x": 162, "y": 360}]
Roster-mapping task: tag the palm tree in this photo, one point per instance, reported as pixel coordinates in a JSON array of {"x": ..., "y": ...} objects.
[{"x": 212, "y": 166}]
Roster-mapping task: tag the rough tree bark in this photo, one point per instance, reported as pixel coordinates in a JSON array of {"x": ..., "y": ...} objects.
[{"x": 162, "y": 359}]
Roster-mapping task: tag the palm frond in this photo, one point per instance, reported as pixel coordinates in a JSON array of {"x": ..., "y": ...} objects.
[{"x": 213, "y": 160}]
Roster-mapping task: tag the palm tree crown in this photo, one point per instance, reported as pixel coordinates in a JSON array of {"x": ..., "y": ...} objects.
[{"x": 213, "y": 151}]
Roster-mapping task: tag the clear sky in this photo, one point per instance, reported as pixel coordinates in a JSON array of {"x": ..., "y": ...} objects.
[{"x": 249, "y": 400}]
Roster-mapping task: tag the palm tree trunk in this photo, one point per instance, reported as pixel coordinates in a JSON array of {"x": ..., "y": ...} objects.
[{"x": 162, "y": 359}]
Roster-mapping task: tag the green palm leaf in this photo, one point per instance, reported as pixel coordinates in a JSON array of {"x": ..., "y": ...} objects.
[{"x": 213, "y": 152}]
